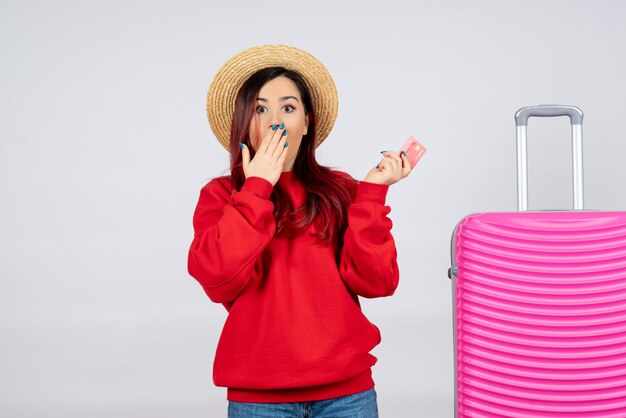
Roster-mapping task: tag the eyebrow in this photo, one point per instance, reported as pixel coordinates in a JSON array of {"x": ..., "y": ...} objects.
[{"x": 282, "y": 99}]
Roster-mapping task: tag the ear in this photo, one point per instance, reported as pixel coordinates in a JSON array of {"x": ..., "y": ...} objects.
[{"x": 306, "y": 124}]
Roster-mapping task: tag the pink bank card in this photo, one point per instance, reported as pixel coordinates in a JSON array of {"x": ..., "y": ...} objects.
[{"x": 414, "y": 150}]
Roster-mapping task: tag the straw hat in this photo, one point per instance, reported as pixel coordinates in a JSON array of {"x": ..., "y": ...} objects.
[{"x": 220, "y": 101}]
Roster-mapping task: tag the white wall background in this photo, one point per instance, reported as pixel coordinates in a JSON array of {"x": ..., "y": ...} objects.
[{"x": 104, "y": 146}]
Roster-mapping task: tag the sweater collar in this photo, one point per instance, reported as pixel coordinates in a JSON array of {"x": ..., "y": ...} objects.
[
  {"x": 293, "y": 188},
  {"x": 287, "y": 177}
]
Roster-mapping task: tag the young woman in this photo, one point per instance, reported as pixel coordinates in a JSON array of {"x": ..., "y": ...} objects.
[{"x": 288, "y": 246}]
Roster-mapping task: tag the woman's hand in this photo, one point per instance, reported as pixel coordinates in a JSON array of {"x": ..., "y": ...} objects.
[
  {"x": 391, "y": 169},
  {"x": 269, "y": 160}
]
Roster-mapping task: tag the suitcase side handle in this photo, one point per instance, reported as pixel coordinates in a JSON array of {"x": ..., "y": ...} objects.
[{"x": 576, "y": 121}]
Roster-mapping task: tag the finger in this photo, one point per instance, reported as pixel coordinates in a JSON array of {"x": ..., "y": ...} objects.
[
  {"x": 283, "y": 155},
  {"x": 280, "y": 145},
  {"x": 383, "y": 165},
  {"x": 245, "y": 156},
  {"x": 269, "y": 136},
  {"x": 406, "y": 166},
  {"x": 394, "y": 155},
  {"x": 279, "y": 136},
  {"x": 392, "y": 169},
  {"x": 280, "y": 148},
  {"x": 391, "y": 164}
]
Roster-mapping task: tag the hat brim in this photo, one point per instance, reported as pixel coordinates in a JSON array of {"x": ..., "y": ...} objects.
[{"x": 220, "y": 102}]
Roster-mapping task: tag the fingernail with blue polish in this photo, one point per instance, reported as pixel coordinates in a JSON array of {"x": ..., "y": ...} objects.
[
  {"x": 382, "y": 152},
  {"x": 282, "y": 125},
  {"x": 240, "y": 145},
  {"x": 285, "y": 132},
  {"x": 286, "y": 144},
  {"x": 273, "y": 127},
  {"x": 404, "y": 153}
]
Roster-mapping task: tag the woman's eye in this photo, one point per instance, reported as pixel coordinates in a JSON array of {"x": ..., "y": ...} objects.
[
  {"x": 260, "y": 109},
  {"x": 288, "y": 108}
]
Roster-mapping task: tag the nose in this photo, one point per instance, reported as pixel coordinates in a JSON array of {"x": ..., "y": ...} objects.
[{"x": 275, "y": 117}]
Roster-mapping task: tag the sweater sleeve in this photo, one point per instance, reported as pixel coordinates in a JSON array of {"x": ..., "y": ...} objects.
[
  {"x": 368, "y": 263},
  {"x": 231, "y": 231}
]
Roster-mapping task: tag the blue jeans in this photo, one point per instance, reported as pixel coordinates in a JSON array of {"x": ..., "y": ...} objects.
[{"x": 359, "y": 405}]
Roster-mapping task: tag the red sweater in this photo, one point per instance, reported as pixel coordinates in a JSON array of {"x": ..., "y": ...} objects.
[{"x": 295, "y": 331}]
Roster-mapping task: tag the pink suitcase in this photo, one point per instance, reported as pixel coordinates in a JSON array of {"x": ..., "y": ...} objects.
[{"x": 540, "y": 304}]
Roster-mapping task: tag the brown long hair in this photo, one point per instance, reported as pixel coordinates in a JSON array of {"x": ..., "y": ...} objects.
[{"x": 328, "y": 192}]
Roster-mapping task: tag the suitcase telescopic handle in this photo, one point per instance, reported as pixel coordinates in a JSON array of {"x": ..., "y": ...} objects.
[{"x": 576, "y": 121}]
